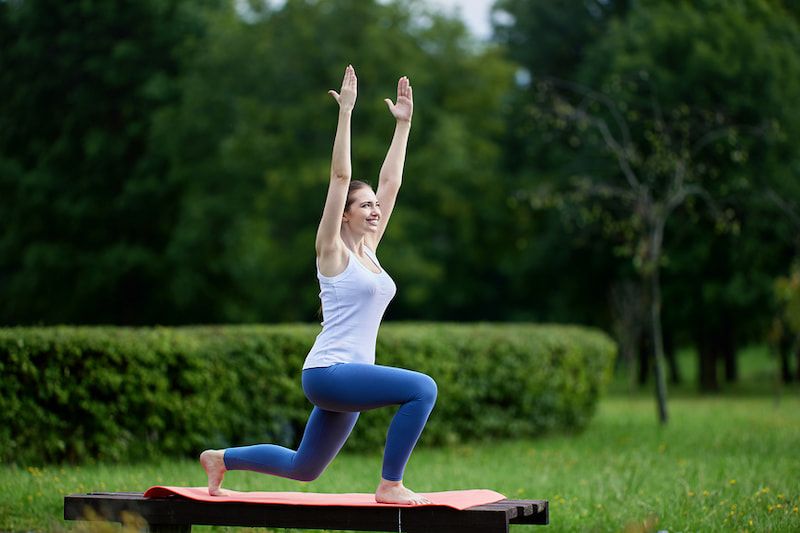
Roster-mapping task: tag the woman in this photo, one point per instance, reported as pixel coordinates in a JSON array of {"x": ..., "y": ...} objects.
[{"x": 340, "y": 376}]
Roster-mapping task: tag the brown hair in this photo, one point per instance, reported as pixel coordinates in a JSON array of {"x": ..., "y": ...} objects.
[{"x": 354, "y": 186}]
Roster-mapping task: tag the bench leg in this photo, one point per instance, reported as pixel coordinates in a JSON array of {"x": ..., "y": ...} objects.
[{"x": 169, "y": 528}]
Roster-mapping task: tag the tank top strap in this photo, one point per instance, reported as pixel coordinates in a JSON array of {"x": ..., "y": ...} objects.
[{"x": 370, "y": 253}]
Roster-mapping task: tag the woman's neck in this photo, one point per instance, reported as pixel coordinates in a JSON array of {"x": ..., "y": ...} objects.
[{"x": 352, "y": 241}]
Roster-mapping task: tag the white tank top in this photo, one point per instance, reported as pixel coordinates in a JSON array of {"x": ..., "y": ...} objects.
[{"x": 353, "y": 304}]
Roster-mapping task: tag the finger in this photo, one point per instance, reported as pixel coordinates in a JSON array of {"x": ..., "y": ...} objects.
[
  {"x": 334, "y": 94},
  {"x": 351, "y": 75},
  {"x": 389, "y": 104},
  {"x": 409, "y": 93}
]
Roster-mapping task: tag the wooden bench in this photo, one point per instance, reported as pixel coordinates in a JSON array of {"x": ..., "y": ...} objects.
[{"x": 175, "y": 514}]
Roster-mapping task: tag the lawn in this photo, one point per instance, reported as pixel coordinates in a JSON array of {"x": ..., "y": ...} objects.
[{"x": 723, "y": 463}]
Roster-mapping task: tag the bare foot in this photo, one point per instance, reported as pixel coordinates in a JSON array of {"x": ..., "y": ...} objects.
[
  {"x": 214, "y": 464},
  {"x": 395, "y": 492}
]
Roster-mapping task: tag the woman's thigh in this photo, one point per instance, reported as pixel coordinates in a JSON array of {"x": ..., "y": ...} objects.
[{"x": 350, "y": 387}]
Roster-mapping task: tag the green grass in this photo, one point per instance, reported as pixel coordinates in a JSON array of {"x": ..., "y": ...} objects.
[
  {"x": 722, "y": 464},
  {"x": 727, "y": 462}
]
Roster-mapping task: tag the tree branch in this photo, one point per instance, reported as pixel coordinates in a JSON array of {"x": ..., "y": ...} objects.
[
  {"x": 614, "y": 146},
  {"x": 788, "y": 208},
  {"x": 600, "y": 97}
]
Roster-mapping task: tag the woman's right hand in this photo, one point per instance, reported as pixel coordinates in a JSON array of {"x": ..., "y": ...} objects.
[{"x": 347, "y": 97}]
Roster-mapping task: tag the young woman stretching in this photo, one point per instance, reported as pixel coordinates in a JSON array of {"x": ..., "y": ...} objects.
[{"x": 340, "y": 376}]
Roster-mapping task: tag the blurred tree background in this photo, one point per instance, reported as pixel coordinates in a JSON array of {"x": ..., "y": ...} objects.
[{"x": 166, "y": 161}]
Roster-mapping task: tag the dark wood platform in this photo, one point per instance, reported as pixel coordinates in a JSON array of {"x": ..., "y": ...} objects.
[{"x": 176, "y": 514}]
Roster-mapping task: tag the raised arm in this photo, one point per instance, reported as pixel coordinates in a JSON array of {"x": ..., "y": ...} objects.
[
  {"x": 391, "y": 175},
  {"x": 330, "y": 249}
]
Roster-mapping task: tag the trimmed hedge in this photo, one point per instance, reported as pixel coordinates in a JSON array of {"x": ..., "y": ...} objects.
[{"x": 107, "y": 393}]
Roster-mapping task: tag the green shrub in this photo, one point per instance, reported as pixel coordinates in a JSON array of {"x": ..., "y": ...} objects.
[{"x": 83, "y": 393}]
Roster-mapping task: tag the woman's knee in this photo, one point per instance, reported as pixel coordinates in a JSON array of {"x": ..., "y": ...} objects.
[
  {"x": 307, "y": 473},
  {"x": 428, "y": 390}
]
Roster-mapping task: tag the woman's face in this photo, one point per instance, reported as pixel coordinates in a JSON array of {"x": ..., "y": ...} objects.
[{"x": 364, "y": 212}]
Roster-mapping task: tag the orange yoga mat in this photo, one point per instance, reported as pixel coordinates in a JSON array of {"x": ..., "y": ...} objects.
[{"x": 457, "y": 499}]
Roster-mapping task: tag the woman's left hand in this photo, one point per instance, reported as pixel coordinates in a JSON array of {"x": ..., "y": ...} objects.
[{"x": 404, "y": 108}]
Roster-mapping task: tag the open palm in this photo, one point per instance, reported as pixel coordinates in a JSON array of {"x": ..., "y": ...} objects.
[
  {"x": 404, "y": 107},
  {"x": 347, "y": 97}
]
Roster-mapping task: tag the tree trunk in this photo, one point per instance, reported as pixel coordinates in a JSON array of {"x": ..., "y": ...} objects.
[
  {"x": 645, "y": 351},
  {"x": 727, "y": 346},
  {"x": 628, "y": 312},
  {"x": 786, "y": 369},
  {"x": 656, "y": 238},
  {"x": 707, "y": 359},
  {"x": 785, "y": 353},
  {"x": 797, "y": 354}
]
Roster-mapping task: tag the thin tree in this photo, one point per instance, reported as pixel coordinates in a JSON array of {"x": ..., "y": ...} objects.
[
  {"x": 786, "y": 324},
  {"x": 661, "y": 163}
]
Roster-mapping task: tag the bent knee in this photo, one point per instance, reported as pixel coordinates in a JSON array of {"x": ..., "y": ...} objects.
[
  {"x": 428, "y": 390},
  {"x": 306, "y": 474}
]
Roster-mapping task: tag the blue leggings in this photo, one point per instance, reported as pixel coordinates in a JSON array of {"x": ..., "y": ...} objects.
[{"x": 339, "y": 393}]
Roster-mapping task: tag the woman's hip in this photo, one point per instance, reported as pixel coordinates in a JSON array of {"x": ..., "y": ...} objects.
[{"x": 351, "y": 387}]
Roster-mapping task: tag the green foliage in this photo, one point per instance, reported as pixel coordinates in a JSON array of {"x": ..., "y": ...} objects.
[
  {"x": 553, "y": 37},
  {"x": 85, "y": 213},
  {"x": 787, "y": 292},
  {"x": 250, "y": 143},
  {"x": 165, "y": 161},
  {"x": 178, "y": 159},
  {"x": 713, "y": 58},
  {"x": 74, "y": 394},
  {"x": 675, "y": 72}
]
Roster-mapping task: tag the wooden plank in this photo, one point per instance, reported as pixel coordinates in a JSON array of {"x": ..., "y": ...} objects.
[
  {"x": 120, "y": 494},
  {"x": 443, "y": 519},
  {"x": 539, "y": 513},
  {"x": 523, "y": 507},
  {"x": 158, "y": 528},
  {"x": 180, "y": 511}
]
